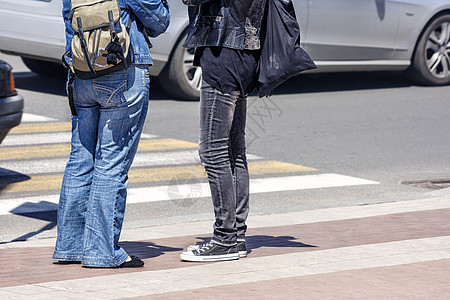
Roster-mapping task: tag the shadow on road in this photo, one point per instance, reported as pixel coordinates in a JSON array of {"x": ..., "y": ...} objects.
[
  {"x": 260, "y": 241},
  {"x": 339, "y": 82},
  {"x": 304, "y": 83},
  {"x": 147, "y": 249},
  {"x": 48, "y": 216},
  {"x": 57, "y": 86},
  {"x": 8, "y": 177},
  {"x": 36, "y": 83}
]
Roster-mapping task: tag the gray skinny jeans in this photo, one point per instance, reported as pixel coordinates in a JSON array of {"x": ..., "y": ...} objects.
[{"x": 222, "y": 153}]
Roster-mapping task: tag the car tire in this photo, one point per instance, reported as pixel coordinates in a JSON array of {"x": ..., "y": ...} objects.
[
  {"x": 45, "y": 68},
  {"x": 180, "y": 78},
  {"x": 431, "y": 59}
]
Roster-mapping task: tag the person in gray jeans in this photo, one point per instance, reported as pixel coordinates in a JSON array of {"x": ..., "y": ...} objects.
[{"x": 226, "y": 35}]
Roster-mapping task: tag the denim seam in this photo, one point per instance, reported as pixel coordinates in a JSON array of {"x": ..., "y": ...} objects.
[
  {"x": 210, "y": 144},
  {"x": 122, "y": 168},
  {"x": 211, "y": 117},
  {"x": 141, "y": 115}
]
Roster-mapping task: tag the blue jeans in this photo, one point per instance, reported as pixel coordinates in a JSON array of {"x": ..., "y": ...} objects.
[
  {"x": 105, "y": 135},
  {"x": 223, "y": 153}
]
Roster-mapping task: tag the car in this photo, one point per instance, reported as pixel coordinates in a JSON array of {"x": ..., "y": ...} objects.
[
  {"x": 11, "y": 103},
  {"x": 340, "y": 35}
]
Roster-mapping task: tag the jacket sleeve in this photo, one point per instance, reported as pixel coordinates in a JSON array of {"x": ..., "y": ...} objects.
[
  {"x": 153, "y": 14},
  {"x": 68, "y": 28},
  {"x": 195, "y": 2}
]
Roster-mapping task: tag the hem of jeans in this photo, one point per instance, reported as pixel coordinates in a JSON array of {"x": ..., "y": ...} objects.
[
  {"x": 66, "y": 257},
  {"x": 226, "y": 244},
  {"x": 99, "y": 263}
]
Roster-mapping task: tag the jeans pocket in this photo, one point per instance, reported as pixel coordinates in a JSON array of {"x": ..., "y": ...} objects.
[{"x": 110, "y": 90}]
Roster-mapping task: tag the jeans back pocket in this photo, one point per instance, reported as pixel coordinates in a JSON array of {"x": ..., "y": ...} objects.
[{"x": 110, "y": 90}]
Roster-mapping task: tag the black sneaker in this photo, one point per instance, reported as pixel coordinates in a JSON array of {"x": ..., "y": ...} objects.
[
  {"x": 135, "y": 262},
  {"x": 241, "y": 248},
  {"x": 211, "y": 252}
]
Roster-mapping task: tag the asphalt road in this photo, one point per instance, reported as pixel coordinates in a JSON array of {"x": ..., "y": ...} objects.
[{"x": 370, "y": 126}]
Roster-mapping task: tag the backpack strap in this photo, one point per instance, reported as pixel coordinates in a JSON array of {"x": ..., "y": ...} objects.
[
  {"x": 84, "y": 46},
  {"x": 70, "y": 85}
]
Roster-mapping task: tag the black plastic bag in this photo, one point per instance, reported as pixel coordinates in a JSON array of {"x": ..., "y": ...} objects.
[{"x": 281, "y": 55}]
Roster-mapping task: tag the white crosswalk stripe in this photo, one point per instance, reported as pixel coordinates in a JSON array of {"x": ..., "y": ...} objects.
[
  {"x": 142, "y": 159},
  {"x": 29, "y": 118},
  {"x": 44, "y": 138}
]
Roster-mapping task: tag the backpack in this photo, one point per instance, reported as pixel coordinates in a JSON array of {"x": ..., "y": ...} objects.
[{"x": 101, "y": 43}]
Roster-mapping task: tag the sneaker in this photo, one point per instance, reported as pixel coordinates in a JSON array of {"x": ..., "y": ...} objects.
[
  {"x": 241, "y": 247},
  {"x": 135, "y": 262},
  {"x": 211, "y": 252}
]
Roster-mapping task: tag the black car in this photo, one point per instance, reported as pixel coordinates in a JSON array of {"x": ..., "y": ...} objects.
[{"x": 11, "y": 103}]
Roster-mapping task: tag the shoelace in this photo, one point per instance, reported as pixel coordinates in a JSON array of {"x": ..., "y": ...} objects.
[{"x": 204, "y": 247}]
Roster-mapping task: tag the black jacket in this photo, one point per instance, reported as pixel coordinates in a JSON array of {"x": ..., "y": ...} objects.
[{"x": 217, "y": 23}]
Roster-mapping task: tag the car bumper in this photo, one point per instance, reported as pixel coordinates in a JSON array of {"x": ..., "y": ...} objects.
[{"x": 10, "y": 113}]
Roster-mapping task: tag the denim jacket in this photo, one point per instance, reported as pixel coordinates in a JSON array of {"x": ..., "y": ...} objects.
[
  {"x": 232, "y": 24},
  {"x": 152, "y": 14}
]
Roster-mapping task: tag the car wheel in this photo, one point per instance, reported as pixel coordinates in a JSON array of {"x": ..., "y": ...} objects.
[
  {"x": 179, "y": 77},
  {"x": 45, "y": 68},
  {"x": 431, "y": 61}
]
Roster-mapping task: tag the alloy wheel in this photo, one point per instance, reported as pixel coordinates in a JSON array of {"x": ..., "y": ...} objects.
[
  {"x": 193, "y": 74},
  {"x": 437, "y": 50}
]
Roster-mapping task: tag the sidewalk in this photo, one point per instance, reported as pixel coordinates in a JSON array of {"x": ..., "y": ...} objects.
[{"x": 397, "y": 250}]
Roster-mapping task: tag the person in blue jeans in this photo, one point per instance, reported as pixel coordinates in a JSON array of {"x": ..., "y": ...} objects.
[
  {"x": 226, "y": 35},
  {"x": 110, "y": 113}
]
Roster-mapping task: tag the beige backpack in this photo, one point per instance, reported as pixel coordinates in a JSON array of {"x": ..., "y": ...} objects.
[{"x": 101, "y": 44}]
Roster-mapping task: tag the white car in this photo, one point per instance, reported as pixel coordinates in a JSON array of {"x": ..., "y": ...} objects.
[{"x": 340, "y": 35}]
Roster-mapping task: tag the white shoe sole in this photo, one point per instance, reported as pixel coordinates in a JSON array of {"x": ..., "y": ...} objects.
[
  {"x": 189, "y": 256},
  {"x": 195, "y": 247},
  {"x": 242, "y": 254}
]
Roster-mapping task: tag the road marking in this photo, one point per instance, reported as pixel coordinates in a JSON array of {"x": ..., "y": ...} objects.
[
  {"x": 256, "y": 269},
  {"x": 257, "y": 186},
  {"x": 142, "y": 159},
  {"x": 187, "y": 192},
  {"x": 42, "y": 127},
  {"x": 36, "y": 139},
  {"x": 28, "y": 118},
  {"x": 51, "y": 182},
  {"x": 44, "y": 138},
  {"x": 63, "y": 150}
]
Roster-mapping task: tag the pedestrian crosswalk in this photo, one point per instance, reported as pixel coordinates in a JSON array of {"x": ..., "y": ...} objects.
[
  {"x": 313, "y": 253},
  {"x": 33, "y": 157}
]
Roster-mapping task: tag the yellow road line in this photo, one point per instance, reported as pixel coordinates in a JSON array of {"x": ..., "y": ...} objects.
[
  {"x": 34, "y": 151},
  {"x": 165, "y": 144},
  {"x": 28, "y": 152},
  {"x": 52, "y": 182},
  {"x": 41, "y": 127}
]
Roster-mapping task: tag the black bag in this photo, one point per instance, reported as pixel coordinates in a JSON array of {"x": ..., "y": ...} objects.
[{"x": 281, "y": 56}]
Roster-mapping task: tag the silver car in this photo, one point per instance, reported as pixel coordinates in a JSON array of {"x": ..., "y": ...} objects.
[{"x": 340, "y": 35}]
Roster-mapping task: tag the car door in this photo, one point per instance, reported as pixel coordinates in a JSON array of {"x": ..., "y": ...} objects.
[
  {"x": 301, "y": 11},
  {"x": 350, "y": 30},
  {"x": 32, "y": 28}
]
